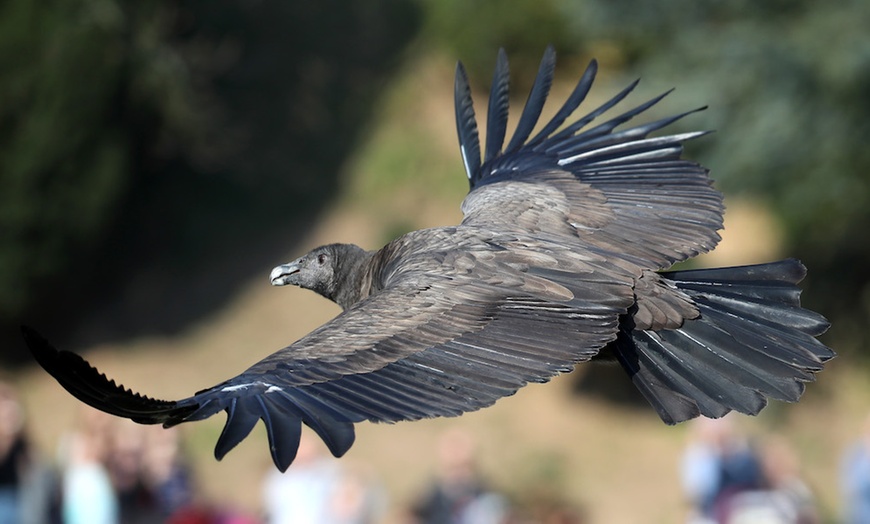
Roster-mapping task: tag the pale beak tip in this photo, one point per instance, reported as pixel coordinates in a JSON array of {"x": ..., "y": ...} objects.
[{"x": 280, "y": 276}]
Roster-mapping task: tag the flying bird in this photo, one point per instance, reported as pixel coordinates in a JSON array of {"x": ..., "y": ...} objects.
[{"x": 560, "y": 258}]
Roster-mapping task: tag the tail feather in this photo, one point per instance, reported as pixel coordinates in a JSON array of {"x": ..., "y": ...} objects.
[
  {"x": 717, "y": 385},
  {"x": 673, "y": 397},
  {"x": 804, "y": 320},
  {"x": 752, "y": 341},
  {"x": 750, "y": 368},
  {"x": 797, "y": 351}
]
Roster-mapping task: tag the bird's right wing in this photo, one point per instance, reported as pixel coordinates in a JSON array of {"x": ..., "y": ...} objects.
[
  {"x": 616, "y": 190},
  {"x": 452, "y": 331}
]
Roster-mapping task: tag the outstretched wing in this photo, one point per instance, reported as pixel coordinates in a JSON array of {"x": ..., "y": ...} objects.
[
  {"x": 557, "y": 229},
  {"x": 452, "y": 331},
  {"x": 622, "y": 192}
]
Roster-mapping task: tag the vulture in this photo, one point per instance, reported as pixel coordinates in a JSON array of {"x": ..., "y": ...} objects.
[{"x": 562, "y": 257}]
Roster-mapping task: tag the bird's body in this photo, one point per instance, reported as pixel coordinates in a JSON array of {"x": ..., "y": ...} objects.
[{"x": 557, "y": 261}]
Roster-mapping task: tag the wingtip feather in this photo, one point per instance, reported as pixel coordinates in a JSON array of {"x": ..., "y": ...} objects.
[
  {"x": 536, "y": 100},
  {"x": 466, "y": 124},
  {"x": 239, "y": 424},
  {"x": 89, "y": 385},
  {"x": 499, "y": 102},
  {"x": 283, "y": 429}
]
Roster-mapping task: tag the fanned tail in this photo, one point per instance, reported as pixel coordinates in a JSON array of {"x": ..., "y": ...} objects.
[{"x": 752, "y": 341}]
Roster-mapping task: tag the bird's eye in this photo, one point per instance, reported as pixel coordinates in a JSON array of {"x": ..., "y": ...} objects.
[{"x": 321, "y": 258}]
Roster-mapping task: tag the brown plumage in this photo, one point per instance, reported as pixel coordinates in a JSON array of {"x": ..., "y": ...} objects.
[{"x": 554, "y": 263}]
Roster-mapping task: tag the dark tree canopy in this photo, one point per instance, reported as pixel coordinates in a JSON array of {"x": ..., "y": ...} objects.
[{"x": 139, "y": 139}]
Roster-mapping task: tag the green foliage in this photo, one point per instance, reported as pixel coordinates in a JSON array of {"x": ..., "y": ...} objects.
[
  {"x": 473, "y": 30},
  {"x": 142, "y": 138},
  {"x": 61, "y": 159},
  {"x": 90, "y": 80}
]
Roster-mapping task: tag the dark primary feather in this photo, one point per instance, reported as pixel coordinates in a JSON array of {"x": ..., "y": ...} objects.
[
  {"x": 499, "y": 102},
  {"x": 554, "y": 264},
  {"x": 535, "y": 103},
  {"x": 572, "y": 129},
  {"x": 607, "y": 127},
  {"x": 572, "y": 103},
  {"x": 466, "y": 124}
]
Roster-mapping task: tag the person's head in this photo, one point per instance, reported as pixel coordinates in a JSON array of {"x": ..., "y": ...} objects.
[{"x": 11, "y": 416}]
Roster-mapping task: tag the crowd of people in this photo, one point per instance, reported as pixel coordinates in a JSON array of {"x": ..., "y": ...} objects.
[
  {"x": 318, "y": 488},
  {"x": 113, "y": 471},
  {"x": 110, "y": 471},
  {"x": 731, "y": 479}
]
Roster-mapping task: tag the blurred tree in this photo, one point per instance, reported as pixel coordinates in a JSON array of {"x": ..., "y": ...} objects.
[
  {"x": 473, "y": 30},
  {"x": 62, "y": 146},
  {"x": 142, "y": 138}
]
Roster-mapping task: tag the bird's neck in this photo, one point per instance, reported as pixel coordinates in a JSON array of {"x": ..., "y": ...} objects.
[{"x": 354, "y": 277}]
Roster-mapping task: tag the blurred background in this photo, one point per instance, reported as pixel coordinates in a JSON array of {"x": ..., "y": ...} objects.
[{"x": 158, "y": 159}]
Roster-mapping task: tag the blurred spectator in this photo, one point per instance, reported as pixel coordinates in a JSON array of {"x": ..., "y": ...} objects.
[
  {"x": 165, "y": 472},
  {"x": 730, "y": 481},
  {"x": 167, "y": 479},
  {"x": 459, "y": 495},
  {"x": 316, "y": 489},
  {"x": 27, "y": 486},
  {"x": 88, "y": 494},
  {"x": 555, "y": 511},
  {"x": 13, "y": 455},
  {"x": 148, "y": 472},
  {"x": 789, "y": 494},
  {"x": 855, "y": 479},
  {"x": 785, "y": 499},
  {"x": 124, "y": 461},
  {"x": 119, "y": 471},
  {"x": 717, "y": 465}
]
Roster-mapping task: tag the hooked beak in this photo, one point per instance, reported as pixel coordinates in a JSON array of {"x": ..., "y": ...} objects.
[{"x": 281, "y": 275}]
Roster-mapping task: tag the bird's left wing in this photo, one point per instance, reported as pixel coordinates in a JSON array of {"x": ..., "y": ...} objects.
[{"x": 452, "y": 331}]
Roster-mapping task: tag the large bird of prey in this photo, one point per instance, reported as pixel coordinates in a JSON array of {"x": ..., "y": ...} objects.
[{"x": 558, "y": 260}]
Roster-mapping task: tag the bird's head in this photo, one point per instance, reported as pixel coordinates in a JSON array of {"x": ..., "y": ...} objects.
[{"x": 332, "y": 271}]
